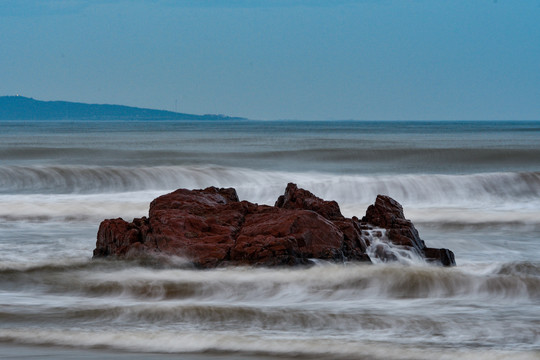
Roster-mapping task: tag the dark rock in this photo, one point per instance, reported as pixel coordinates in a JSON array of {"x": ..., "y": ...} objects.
[
  {"x": 388, "y": 214},
  {"x": 211, "y": 227},
  {"x": 277, "y": 236},
  {"x": 443, "y": 256},
  {"x": 295, "y": 198}
]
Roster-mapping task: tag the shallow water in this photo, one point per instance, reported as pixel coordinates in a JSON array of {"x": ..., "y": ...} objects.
[{"x": 470, "y": 187}]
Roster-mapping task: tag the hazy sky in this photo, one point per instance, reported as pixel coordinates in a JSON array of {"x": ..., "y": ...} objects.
[{"x": 281, "y": 59}]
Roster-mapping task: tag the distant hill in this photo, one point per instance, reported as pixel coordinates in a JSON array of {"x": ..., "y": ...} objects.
[{"x": 24, "y": 108}]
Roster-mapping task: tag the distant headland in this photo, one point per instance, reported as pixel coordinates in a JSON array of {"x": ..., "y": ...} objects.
[{"x": 25, "y": 108}]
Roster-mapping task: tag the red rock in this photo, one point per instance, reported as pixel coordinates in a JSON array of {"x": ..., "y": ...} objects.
[
  {"x": 277, "y": 236},
  {"x": 295, "y": 198},
  {"x": 115, "y": 237},
  {"x": 200, "y": 225},
  {"x": 211, "y": 227},
  {"x": 388, "y": 214}
]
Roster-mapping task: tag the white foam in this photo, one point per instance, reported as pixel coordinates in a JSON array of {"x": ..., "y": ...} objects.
[
  {"x": 102, "y": 192},
  {"x": 210, "y": 341}
]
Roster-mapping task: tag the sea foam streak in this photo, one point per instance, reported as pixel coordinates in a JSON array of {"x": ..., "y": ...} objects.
[
  {"x": 251, "y": 345},
  {"x": 360, "y": 306},
  {"x": 244, "y": 285}
]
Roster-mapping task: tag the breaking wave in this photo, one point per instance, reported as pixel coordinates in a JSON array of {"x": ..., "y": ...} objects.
[
  {"x": 84, "y": 193},
  {"x": 323, "y": 282},
  {"x": 257, "y": 185}
]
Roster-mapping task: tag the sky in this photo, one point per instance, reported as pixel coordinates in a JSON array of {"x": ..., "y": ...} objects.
[{"x": 280, "y": 59}]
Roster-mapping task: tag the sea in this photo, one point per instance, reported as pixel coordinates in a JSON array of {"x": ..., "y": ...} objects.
[{"x": 472, "y": 187}]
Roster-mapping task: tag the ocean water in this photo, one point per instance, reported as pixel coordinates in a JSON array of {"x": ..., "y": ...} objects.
[{"x": 472, "y": 187}]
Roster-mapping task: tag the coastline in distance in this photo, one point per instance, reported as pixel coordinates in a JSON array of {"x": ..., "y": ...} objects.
[{"x": 25, "y": 108}]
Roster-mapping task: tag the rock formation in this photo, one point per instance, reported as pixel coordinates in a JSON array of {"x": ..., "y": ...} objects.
[{"x": 212, "y": 227}]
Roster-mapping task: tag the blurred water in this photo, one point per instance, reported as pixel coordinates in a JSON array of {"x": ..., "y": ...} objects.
[{"x": 470, "y": 187}]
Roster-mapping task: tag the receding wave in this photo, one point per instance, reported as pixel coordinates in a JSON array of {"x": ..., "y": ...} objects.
[
  {"x": 244, "y": 345},
  {"x": 361, "y": 307},
  {"x": 322, "y": 282}
]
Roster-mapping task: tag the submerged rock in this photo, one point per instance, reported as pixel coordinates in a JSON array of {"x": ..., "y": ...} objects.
[{"x": 212, "y": 227}]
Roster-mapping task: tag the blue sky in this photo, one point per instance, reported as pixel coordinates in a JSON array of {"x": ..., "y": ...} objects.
[{"x": 295, "y": 59}]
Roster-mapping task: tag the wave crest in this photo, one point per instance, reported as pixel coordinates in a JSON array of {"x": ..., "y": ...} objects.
[{"x": 262, "y": 186}]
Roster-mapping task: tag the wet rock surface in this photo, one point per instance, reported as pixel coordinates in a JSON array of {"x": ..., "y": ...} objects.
[{"x": 212, "y": 227}]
